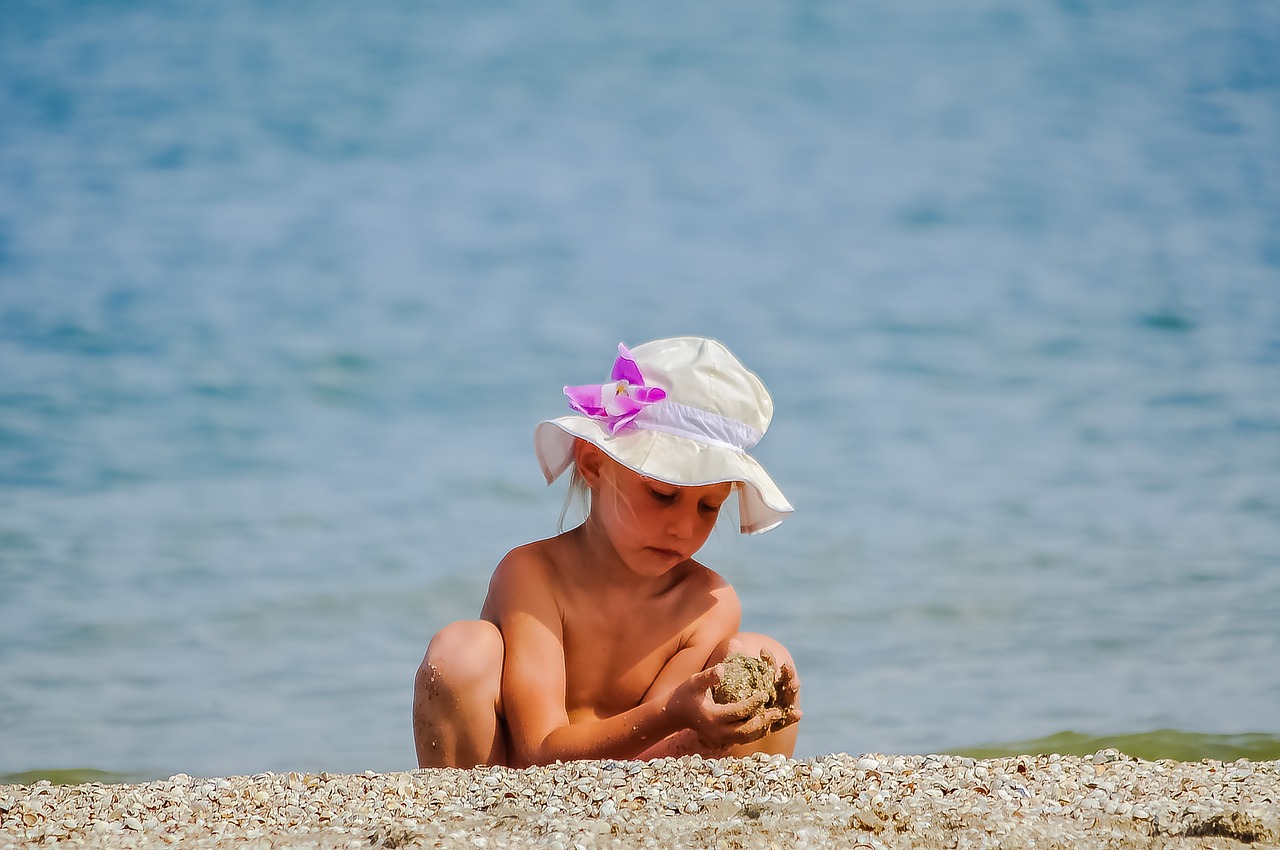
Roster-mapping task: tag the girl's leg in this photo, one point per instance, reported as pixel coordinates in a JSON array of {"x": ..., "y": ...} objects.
[
  {"x": 457, "y": 698},
  {"x": 749, "y": 643}
]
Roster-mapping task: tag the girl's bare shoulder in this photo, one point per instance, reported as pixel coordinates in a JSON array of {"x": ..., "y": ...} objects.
[
  {"x": 521, "y": 582},
  {"x": 529, "y": 562},
  {"x": 701, "y": 577},
  {"x": 704, "y": 590},
  {"x": 537, "y": 567}
]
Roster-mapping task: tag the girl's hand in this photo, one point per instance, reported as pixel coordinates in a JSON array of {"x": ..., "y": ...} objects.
[
  {"x": 786, "y": 684},
  {"x": 720, "y": 726}
]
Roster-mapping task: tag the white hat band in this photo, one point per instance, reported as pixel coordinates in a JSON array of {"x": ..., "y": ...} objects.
[{"x": 671, "y": 417}]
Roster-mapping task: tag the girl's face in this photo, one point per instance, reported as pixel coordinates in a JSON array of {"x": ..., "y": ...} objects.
[{"x": 654, "y": 526}]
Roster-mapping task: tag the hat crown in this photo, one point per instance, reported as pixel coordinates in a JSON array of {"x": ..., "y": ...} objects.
[
  {"x": 696, "y": 431},
  {"x": 703, "y": 374}
]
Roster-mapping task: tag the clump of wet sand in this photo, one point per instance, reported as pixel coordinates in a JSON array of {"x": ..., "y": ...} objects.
[{"x": 745, "y": 676}]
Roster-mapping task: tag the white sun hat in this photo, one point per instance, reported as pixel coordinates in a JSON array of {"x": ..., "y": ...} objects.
[{"x": 683, "y": 411}]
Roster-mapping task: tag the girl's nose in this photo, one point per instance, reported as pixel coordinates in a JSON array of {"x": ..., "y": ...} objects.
[{"x": 681, "y": 522}]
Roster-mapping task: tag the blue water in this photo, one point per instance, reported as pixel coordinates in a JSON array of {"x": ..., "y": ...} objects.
[{"x": 284, "y": 290}]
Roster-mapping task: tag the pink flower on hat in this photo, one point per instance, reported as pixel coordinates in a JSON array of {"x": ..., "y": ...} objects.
[{"x": 617, "y": 402}]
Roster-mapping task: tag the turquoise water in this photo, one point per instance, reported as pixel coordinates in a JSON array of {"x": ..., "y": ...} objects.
[{"x": 283, "y": 293}]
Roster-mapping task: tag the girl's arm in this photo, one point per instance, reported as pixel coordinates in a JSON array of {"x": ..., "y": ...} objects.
[
  {"x": 711, "y": 629},
  {"x": 534, "y": 685},
  {"x": 707, "y": 644}
]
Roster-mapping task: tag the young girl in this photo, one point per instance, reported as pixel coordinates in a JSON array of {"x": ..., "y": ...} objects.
[{"x": 606, "y": 640}]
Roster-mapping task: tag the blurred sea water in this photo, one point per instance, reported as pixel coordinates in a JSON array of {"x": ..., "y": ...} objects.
[{"x": 283, "y": 292}]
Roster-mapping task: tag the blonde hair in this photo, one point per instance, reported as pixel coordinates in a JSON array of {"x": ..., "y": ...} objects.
[{"x": 578, "y": 492}]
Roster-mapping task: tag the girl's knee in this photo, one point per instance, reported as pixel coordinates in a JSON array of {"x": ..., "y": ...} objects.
[
  {"x": 751, "y": 643},
  {"x": 457, "y": 700},
  {"x": 463, "y": 657},
  {"x": 782, "y": 740}
]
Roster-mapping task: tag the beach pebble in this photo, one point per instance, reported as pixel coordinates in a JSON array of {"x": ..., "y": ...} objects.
[{"x": 752, "y": 804}]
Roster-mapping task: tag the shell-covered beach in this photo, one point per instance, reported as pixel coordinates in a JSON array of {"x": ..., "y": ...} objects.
[{"x": 1104, "y": 800}]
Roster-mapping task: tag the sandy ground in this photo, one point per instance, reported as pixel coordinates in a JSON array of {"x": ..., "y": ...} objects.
[{"x": 1105, "y": 800}]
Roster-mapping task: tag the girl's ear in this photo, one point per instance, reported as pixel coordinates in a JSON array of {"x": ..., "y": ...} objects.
[{"x": 590, "y": 461}]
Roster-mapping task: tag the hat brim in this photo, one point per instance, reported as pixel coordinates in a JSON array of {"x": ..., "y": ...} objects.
[{"x": 669, "y": 458}]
